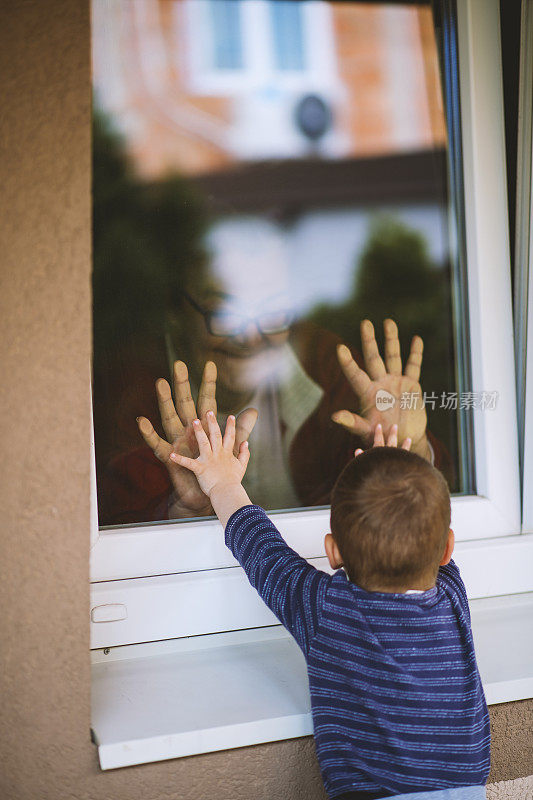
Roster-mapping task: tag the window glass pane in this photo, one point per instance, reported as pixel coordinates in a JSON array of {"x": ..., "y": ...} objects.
[
  {"x": 287, "y": 34},
  {"x": 226, "y": 33},
  {"x": 256, "y": 227}
]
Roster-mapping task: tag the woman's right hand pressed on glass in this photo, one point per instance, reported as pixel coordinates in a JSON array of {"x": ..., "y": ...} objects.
[
  {"x": 387, "y": 375},
  {"x": 177, "y": 419}
]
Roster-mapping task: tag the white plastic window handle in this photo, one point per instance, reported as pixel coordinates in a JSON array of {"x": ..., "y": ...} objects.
[{"x": 109, "y": 612}]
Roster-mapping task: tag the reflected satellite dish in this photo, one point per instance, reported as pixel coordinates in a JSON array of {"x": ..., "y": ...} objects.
[{"x": 313, "y": 116}]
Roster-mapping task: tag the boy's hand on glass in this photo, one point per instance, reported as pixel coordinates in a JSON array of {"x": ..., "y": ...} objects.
[
  {"x": 177, "y": 419},
  {"x": 216, "y": 468},
  {"x": 392, "y": 439},
  {"x": 387, "y": 376}
]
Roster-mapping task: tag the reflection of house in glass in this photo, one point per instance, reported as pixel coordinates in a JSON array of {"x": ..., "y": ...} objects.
[
  {"x": 318, "y": 112},
  {"x": 198, "y": 85}
]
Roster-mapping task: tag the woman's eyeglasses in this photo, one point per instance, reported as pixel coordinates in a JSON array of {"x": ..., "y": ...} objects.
[{"x": 226, "y": 322}]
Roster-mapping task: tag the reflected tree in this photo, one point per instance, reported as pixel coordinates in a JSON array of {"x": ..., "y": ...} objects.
[
  {"x": 146, "y": 242},
  {"x": 396, "y": 277}
]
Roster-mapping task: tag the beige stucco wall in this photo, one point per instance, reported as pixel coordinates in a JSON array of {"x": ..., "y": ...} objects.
[{"x": 44, "y": 468}]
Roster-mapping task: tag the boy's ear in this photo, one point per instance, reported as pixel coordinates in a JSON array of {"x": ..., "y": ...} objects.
[
  {"x": 332, "y": 552},
  {"x": 448, "y": 550}
]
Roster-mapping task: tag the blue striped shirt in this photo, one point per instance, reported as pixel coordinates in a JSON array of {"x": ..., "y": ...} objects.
[{"x": 396, "y": 696}]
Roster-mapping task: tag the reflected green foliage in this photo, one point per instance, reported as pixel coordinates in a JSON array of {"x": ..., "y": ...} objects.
[
  {"x": 396, "y": 278},
  {"x": 146, "y": 243}
]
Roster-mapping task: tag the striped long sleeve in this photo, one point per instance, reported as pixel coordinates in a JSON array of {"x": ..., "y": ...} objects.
[{"x": 291, "y": 588}]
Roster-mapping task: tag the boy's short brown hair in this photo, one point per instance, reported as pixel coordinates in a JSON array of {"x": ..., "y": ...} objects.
[{"x": 390, "y": 517}]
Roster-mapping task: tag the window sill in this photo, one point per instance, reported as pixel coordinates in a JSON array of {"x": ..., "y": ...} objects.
[{"x": 177, "y": 698}]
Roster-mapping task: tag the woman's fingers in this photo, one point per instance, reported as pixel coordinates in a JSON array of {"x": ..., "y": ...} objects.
[
  {"x": 244, "y": 454},
  {"x": 414, "y": 362},
  {"x": 393, "y": 358},
  {"x": 207, "y": 394},
  {"x": 182, "y": 392},
  {"x": 356, "y": 377},
  {"x": 228, "y": 442},
  {"x": 352, "y": 422},
  {"x": 406, "y": 444},
  {"x": 373, "y": 361},
  {"x": 169, "y": 419},
  {"x": 244, "y": 425},
  {"x": 159, "y": 447}
]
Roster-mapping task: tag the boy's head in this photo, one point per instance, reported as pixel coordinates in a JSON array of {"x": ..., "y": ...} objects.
[{"x": 390, "y": 521}]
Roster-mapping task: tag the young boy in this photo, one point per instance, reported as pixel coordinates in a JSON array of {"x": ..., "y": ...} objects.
[{"x": 397, "y": 702}]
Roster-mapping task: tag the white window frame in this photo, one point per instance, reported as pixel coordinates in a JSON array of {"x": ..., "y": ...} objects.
[
  {"x": 523, "y": 301},
  {"x": 527, "y": 501},
  {"x": 164, "y": 573}
]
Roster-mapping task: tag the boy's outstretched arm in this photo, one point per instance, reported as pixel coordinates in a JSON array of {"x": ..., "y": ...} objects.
[{"x": 290, "y": 587}]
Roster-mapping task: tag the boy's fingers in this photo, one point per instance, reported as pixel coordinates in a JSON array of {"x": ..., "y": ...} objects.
[
  {"x": 357, "y": 452},
  {"x": 406, "y": 445},
  {"x": 201, "y": 437},
  {"x": 244, "y": 454},
  {"x": 392, "y": 441},
  {"x": 215, "y": 437},
  {"x": 379, "y": 441},
  {"x": 188, "y": 463},
  {"x": 228, "y": 441}
]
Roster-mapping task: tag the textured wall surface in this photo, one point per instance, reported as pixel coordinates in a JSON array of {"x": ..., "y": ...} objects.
[
  {"x": 44, "y": 473},
  {"x": 512, "y": 740},
  {"x": 521, "y": 789},
  {"x": 44, "y": 395}
]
